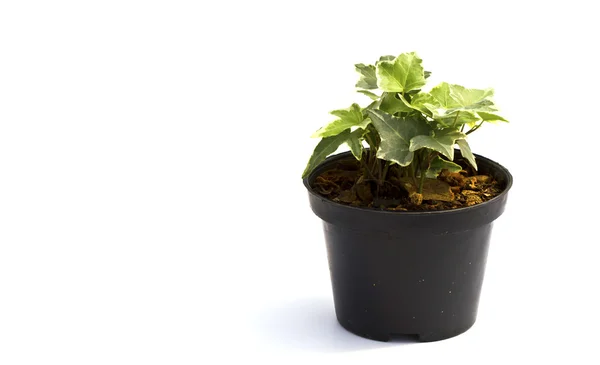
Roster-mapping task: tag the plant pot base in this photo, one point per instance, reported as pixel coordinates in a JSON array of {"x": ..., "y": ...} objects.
[{"x": 386, "y": 337}]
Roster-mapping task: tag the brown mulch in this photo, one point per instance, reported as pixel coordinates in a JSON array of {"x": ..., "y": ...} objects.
[{"x": 345, "y": 184}]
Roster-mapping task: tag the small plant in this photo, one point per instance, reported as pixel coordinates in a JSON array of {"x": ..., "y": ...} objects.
[{"x": 414, "y": 130}]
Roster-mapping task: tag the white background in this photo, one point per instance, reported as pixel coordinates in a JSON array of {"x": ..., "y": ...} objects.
[{"x": 151, "y": 206}]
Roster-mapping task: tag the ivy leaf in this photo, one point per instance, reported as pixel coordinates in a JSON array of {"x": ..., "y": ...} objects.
[
  {"x": 465, "y": 100},
  {"x": 387, "y": 58},
  {"x": 352, "y": 112},
  {"x": 473, "y": 99},
  {"x": 418, "y": 102},
  {"x": 465, "y": 151},
  {"x": 441, "y": 95},
  {"x": 435, "y": 106},
  {"x": 354, "y": 141},
  {"x": 446, "y": 99},
  {"x": 438, "y": 164},
  {"x": 373, "y": 96},
  {"x": 325, "y": 147},
  {"x": 403, "y": 74},
  {"x": 368, "y": 77},
  {"x": 454, "y": 105},
  {"x": 396, "y": 134},
  {"x": 351, "y": 117},
  {"x": 390, "y": 104},
  {"x": 490, "y": 117},
  {"x": 441, "y": 141},
  {"x": 460, "y": 117}
]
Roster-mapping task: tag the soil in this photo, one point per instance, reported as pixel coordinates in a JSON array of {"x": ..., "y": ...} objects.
[{"x": 346, "y": 185}]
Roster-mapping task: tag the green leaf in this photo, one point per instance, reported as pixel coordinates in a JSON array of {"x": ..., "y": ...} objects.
[
  {"x": 471, "y": 98},
  {"x": 352, "y": 112},
  {"x": 442, "y": 141},
  {"x": 490, "y": 117},
  {"x": 463, "y": 99},
  {"x": 373, "y": 96},
  {"x": 465, "y": 151},
  {"x": 418, "y": 102},
  {"x": 325, "y": 147},
  {"x": 427, "y": 74},
  {"x": 368, "y": 77},
  {"x": 454, "y": 105},
  {"x": 459, "y": 118},
  {"x": 396, "y": 134},
  {"x": 442, "y": 95},
  {"x": 354, "y": 141},
  {"x": 403, "y": 74},
  {"x": 435, "y": 107},
  {"x": 351, "y": 117},
  {"x": 438, "y": 164},
  {"x": 391, "y": 104},
  {"x": 387, "y": 58},
  {"x": 445, "y": 100}
]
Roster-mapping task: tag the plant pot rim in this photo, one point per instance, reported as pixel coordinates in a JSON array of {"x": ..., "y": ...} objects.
[{"x": 344, "y": 155}]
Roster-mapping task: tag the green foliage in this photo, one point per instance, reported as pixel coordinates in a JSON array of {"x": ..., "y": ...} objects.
[
  {"x": 391, "y": 104},
  {"x": 403, "y": 74},
  {"x": 438, "y": 164},
  {"x": 354, "y": 141},
  {"x": 405, "y": 125},
  {"x": 490, "y": 117},
  {"x": 371, "y": 95},
  {"x": 351, "y": 117},
  {"x": 396, "y": 135},
  {"x": 465, "y": 150},
  {"x": 441, "y": 141},
  {"x": 326, "y": 147},
  {"x": 368, "y": 78}
]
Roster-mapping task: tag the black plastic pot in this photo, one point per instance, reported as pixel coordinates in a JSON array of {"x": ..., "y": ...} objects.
[{"x": 407, "y": 273}]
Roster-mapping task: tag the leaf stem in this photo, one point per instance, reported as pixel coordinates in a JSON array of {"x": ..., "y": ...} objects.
[
  {"x": 474, "y": 128},
  {"x": 422, "y": 181},
  {"x": 366, "y": 166},
  {"x": 374, "y": 163},
  {"x": 423, "y": 166},
  {"x": 385, "y": 170},
  {"x": 455, "y": 119},
  {"x": 370, "y": 142}
]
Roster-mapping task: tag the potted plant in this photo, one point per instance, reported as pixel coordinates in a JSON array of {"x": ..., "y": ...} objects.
[{"x": 407, "y": 217}]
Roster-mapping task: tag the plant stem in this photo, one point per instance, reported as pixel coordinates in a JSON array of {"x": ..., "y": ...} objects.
[
  {"x": 424, "y": 166},
  {"x": 385, "y": 170},
  {"x": 374, "y": 164},
  {"x": 366, "y": 167},
  {"x": 411, "y": 172},
  {"x": 456, "y": 119},
  {"x": 474, "y": 128},
  {"x": 370, "y": 142},
  {"x": 370, "y": 155},
  {"x": 421, "y": 182}
]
